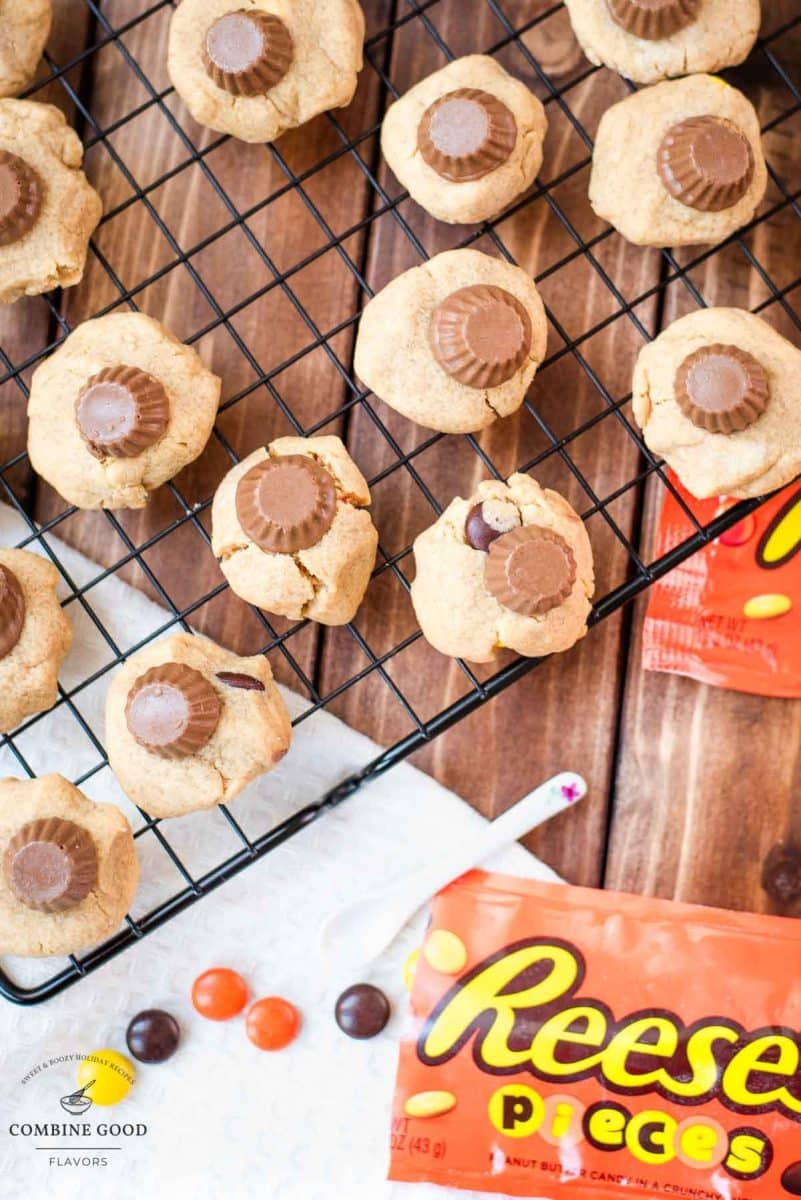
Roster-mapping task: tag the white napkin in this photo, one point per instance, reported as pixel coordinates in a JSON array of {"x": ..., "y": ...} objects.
[{"x": 222, "y": 1117}]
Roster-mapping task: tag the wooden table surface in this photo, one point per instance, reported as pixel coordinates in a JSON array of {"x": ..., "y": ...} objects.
[{"x": 689, "y": 786}]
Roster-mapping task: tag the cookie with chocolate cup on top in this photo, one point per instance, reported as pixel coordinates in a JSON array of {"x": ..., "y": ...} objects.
[
  {"x": 189, "y": 725},
  {"x": 24, "y": 29},
  {"x": 679, "y": 164},
  {"x": 716, "y": 395},
  {"x": 68, "y": 868},
  {"x": 508, "y": 568},
  {"x": 465, "y": 141},
  {"x": 35, "y": 636},
  {"x": 48, "y": 210},
  {"x": 292, "y": 532},
  {"x": 119, "y": 408},
  {"x": 455, "y": 343},
  {"x": 650, "y": 40},
  {"x": 255, "y": 68}
]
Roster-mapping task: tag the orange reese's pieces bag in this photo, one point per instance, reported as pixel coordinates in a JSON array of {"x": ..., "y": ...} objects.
[{"x": 597, "y": 1046}]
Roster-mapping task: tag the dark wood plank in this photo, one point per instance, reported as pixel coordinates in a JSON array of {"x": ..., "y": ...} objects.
[
  {"x": 563, "y": 714},
  {"x": 707, "y": 777},
  {"x": 147, "y": 243}
]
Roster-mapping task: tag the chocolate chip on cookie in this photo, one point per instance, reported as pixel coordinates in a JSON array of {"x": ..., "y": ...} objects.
[
  {"x": 481, "y": 335},
  {"x": 50, "y": 864},
  {"x": 466, "y": 134},
  {"x": 21, "y": 194},
  {"x": 530, "y": 570},
  {"x": 247, "y": 52},
  {"x": 654, "y": 20},
  {"x": 488, "y": 520},
  {"x": 706, "y": 163},
  {"x": 286, "y": 504},
  {"x": 12, "y": 610},
  {"x": 722, "y": 389},
  {"x": 172, "y": 710},
  {"x": 121, "y": 411}
]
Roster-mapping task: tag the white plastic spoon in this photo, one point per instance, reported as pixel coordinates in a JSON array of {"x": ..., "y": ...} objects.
[{"x": 360, "y": 931}]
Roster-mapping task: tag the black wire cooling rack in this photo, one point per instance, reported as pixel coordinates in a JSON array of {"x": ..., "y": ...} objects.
[{"x": 361, "y": 148}]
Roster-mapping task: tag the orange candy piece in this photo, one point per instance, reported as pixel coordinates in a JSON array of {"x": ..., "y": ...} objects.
[
  {"x": 219, "y": 994},
  {"x": 272, "y": 1023}
]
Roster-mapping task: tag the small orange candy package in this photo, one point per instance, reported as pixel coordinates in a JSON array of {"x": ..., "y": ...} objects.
[
  {"x": 730, "y": 614},
  {"x": 572, "y": 1044}
]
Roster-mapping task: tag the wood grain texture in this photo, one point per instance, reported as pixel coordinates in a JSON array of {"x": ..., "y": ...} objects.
[
  {"x": 564, "y": 713},
  {"x": 707, "y": 778}
]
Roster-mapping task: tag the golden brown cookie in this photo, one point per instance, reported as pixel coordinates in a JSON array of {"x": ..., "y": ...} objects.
[
  {"x": 24, "y": 30},
  {"x": 189, "y": 725},
  {"x": 508, "y": 568},
  {"x": 68, "y": 868},
  {"x": 292, "y": 532}
]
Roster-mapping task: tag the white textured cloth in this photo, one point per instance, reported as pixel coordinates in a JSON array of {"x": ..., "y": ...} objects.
[{"x": 222, "y": 1117}]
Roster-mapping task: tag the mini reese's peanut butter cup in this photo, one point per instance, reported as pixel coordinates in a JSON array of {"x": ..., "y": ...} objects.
[
  {"x": 722, "y": 389},
  {"x": 121, "y": 412},
  {"x": 21, "y": 194},
  {"x": 172, "y": 710},
  {"x": 530, "y": 570},
  {"x": 50, "y": 864},
  {"x": 706, "y": 163},
  {"x": 654, "y": 20},
  {"x": 247, "y": 53},
  {"x": 287, "y": 503},
  {"x": 12, "y": 610},
  {"x": 466, "y": 134},
  {"x": 481, "y": 335}
]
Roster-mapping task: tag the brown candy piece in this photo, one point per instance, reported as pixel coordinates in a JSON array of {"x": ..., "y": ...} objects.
[
  {"x": 466, "y": 134},
  {"x": 706, "y": 163},
  {"x": 21, "y": 194},
  {"x": 530, "y": 570},
  {"x": 781, "y": 873},
  {"x": 121, "y": 412},
  {"x": 286, "y": 503},
  {"x": 172, "y": 710},
  {"x": 654, "y": 20},
  {"x": 247, "y": 52},
  {"x": 12, "y": 610},
  {"x": 238, "y": 679},
  {"x": 50, "y": 864},
  {"x": 791, "y": 1179},
  {"x": 487, "y": 521},
  {"x": 722, "y": 389},
  {"x": 481, "y": 335}
]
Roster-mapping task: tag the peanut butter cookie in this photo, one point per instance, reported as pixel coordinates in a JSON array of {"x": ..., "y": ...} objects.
[
  {"x": 189, "y": 725},
  {"x": 24, "y": 29},
  {"x": 255, "y": 68},
  {"x": 509, "y": 568},
  {"x": 117, "y": 410},
  {"x": 68, "y": 868},
  {"x": 48, "y": 210},
  {"x": 466, "y": 141},
  {"x": 292, "y": 532},
  {"x": 35, "y": 636},
  {"x": 455, "y": 343}
]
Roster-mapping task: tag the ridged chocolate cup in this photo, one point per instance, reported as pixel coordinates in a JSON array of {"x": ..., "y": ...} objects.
[
  {"x": 50, "y": 864},
  {"x": 722, "y": 389},
  {"x": 466, "y": 134},
  {"x": 121, "y": 412},
  {"x": 481, "y": 335},
  {"x": 706, "y": 163},
  {"x": 12, "y": 610},
  {"x": 287, "y": 503},
  {"x": 488, "y": 521},
  {"x": 172, "y": 710},
  {"x": 247, "y": 52},
  {"x": 530, "y": 570},
  {"x": 654, "y": 20},
  {"x": 21, "y": 195}
]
